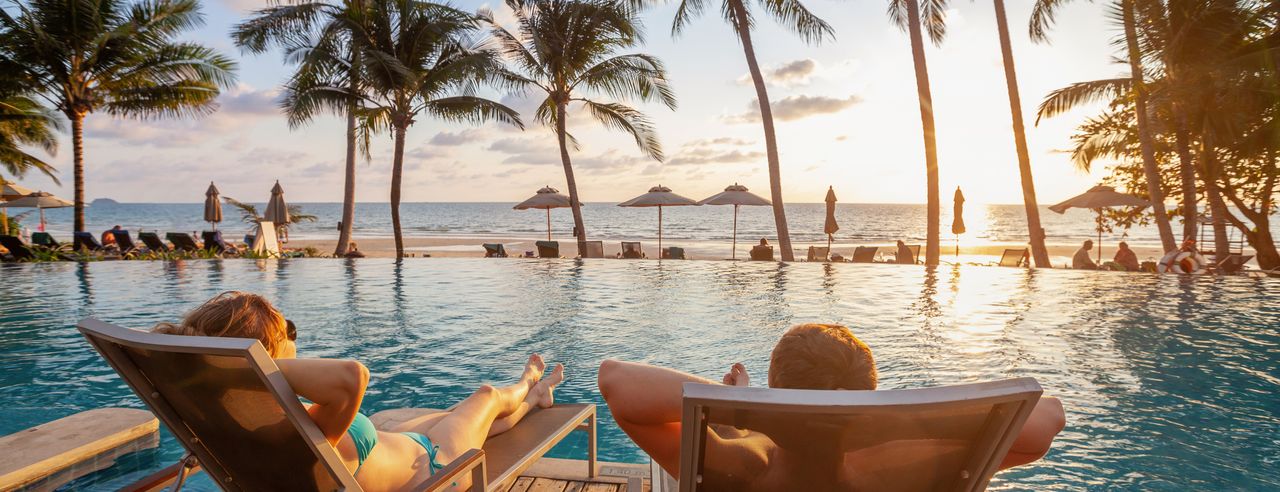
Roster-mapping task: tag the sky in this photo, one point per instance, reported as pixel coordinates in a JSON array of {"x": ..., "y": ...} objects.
[{"x": 846, "y": 114}]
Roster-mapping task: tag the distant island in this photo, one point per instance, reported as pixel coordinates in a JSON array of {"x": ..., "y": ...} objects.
[{"x": 103, "y": 201}]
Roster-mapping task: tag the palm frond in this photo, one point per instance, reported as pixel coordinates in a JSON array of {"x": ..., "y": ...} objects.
[
  {"x": 1067, "y": 98},
  {"x": 617, "y": 116}
]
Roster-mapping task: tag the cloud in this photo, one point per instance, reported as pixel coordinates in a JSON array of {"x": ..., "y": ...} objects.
[
  {"x": 792, "y": 73},
  {"x": 244, "y": 100},
  {"x": 244, "y": 6},
  {"x": 458, "y": 138},
  {"x": 719, "y": 141},
  {"x": 793, "y": 108},
  {"x": 710, "y": 156}
]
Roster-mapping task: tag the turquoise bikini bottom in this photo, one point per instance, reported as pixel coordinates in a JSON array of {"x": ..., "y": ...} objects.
[{"x": 426, "y": 444}]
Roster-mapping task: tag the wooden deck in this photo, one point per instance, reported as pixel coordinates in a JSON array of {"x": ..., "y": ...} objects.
[
  {"x": 532, "y": 484},
  {"x": 559, "y": 475}
]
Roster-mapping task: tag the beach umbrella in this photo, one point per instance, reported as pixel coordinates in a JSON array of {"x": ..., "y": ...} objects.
[
  {"x": 38, "y": 200},
  {"x": 546, "y": 198},
  {"x": 957, "y": 221},
  {"x": 658, "y": 196},
  {"x": 830, "y": 227},
  {"x": 10, "y": 191},
  {"x": 1098, "y": 198},
  {"x": 736, "y": 195},
  {"x": 212, "y": 206}
]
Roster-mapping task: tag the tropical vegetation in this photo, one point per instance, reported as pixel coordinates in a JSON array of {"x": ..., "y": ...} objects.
[{"x": 249, "y": 214}]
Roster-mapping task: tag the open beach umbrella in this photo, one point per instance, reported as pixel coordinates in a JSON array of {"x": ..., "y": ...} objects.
[
  {"x": 546, "y": 198},
  {"x": 957, "y": 221},
  {"x": 1098, "y": 198},
  {"x": 9, "y": 191},
  {"x": 736, "y": 195},
  {"x": 212, "y": 206},
  {"x": 658, "y": 196},
  {"x": 38, "y": 200},
  {"x": 830, "y": 226}
]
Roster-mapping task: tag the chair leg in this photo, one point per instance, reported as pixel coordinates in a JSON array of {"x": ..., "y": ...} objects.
[{"x": 592, "y": 468}]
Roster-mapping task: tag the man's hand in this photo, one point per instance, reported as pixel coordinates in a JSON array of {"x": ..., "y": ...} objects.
[{"x": 737, "y": 376}]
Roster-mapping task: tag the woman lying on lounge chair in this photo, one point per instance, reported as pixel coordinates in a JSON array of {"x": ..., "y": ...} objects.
[
  {"x": 393, "y": 460},
  {"x": 646, "y": 402}
]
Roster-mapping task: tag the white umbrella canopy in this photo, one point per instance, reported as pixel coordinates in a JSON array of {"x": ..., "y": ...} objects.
[
  {"x": 38, "y": 200},
  {"x": 212, "y": 206},
  {"x": 546, "y": 198},
  {"x": 13, "y": 191},
  {"x": 277, "y": 211},
  {"x": 1098, "y": 198},
  {"x": 736, "y": 195},
  {"x": 659, "y": 196}
]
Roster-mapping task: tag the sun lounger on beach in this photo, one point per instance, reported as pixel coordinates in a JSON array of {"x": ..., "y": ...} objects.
[
  {"x": 673, "y": 253},
  {"x": 915, "y": 253},
  {"x": 45, "y": 240},
  {"x": 819, "y": 253},
  {"x": 85, "y": 241},
  {"x": 1233, "y": 263},
  {"x": 213, "y": 242},
  {"x": 548, "y": 249},
  {"x": 182, "y": 241},
  {"x": 492, "y": 250},
  {"x": 1012, "y": 257},
  {"x": 229, "y": 406},
  {"x": 943, "y": 438},
  {"x": 632, "y": 250},
  {"x": 153, "y": 242},
  {"x": 595, "y": 249},
  {"x": 864, "y": 254},
  {"x": 17, "y": 250},
  {"x": 761, "y": 253},
  {"x": 124, "y": 242}
]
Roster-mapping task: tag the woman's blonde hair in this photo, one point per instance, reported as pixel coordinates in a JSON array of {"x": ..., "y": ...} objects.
[{"x": 233, "y": 314}]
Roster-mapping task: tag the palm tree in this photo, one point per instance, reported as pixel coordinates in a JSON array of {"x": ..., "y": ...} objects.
[
  {"x": 249, "y": 214},
  {"x": 906, "y": 14},
  {"x": 417, "y": 59},
  {"x": 23, "y": 122},
  {"x": 1038, "y": 250},
  {"x": 312, "y": 34},
  {"x": 84, "y": 56},
  {"x": 567, "y": 47},
  {"x": 794, "y": 16}
]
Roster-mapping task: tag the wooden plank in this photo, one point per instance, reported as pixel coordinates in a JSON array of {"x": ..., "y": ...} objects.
[
  {"x": 521, "y": 484},
  {"x": 548, "y": 485},
  {"x": 575, "y": 486},
  {"x": 38, "y": 452},
  {"x": 601, "y": 487}
]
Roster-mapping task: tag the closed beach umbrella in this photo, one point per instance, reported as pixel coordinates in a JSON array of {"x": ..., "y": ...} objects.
[
  {"x": 1098, "y": 198},
  {"x": 38, "y": 200},
  {"x": 658, "y": 196},
  {"x": 546, "y": 198},
  {"x": 277, "y": 212},
  {"x": 736, "y": 195},
  {"x": 957, "y": 221},
  {"x": 212, "y": 206},
  {"x": 830, "y": 227}
]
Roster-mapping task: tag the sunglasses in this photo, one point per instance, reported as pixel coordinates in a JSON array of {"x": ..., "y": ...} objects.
[{"x": 291, "y": 330}]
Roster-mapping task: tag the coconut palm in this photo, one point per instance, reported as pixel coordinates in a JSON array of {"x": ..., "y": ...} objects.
[
  {"x": 84, "y": 56},
  {"x": 313, "y": 36},
  {"x": 418, "y": 60},
  {"x": 793, "y": 16},
  {"x": 907, "y": 15},
  {"x": 249, "y": 214},
  {"x": 25, "y": 123},
  {"x": 567, "y": 48}
]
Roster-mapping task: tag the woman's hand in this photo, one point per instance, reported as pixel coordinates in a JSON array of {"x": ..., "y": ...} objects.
[
  {"x": 336, "y": 387},
  {"x": 737, "y": 376}
]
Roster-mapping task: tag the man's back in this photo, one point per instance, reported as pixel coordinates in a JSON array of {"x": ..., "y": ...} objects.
[{"x": 1081, "y": 260}]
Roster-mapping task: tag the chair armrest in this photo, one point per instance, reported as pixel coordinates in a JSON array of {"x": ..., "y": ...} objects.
[{"x": 470, "y": 461}]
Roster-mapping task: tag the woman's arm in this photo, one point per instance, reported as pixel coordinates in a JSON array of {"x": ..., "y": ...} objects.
[
  {"x": 335, "y": 387},
  {"x": 1045, "y": 422}
]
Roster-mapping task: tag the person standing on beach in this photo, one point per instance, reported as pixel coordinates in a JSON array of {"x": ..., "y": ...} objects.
[
  {"x": 1081, "y": 260},
  {"x": 1126, "y": 257}
]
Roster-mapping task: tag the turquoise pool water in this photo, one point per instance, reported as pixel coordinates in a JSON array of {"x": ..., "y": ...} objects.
[{"x": 1169, "y": 383}]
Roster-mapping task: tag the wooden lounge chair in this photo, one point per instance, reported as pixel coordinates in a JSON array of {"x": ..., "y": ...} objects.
[
  {"x": 492, "y": 250},
  {"x": 182, "y": 242},
  {"x": 673, "y": 253},
  {"x": 153, "y": 242},
  {"x": 45, "y": 240},
  {"x": 1013, "y": 257},
  {"x": 548, "y": 249},
  {"x": 956, "y": 435},
  {"x": 125, "y": 242},
  {"x": 17, "y": 250},
  {"x": 230, "y": 407},
  {"x": 761, "y": 252},
  {"x": 915, "y": 252},
  {"x": 1233, "y": 263},
  {"x": 864, "y": 254},
  {"x": 595, "y": 249},
  {"x": 632, "y": 250},
  {"x": 819, "y": 253},
  {"x": 84, "y": 241},
  {"x": 213, "y": 242}
]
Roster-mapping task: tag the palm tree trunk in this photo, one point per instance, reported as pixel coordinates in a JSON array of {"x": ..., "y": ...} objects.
[
  {"x": 926, "y": 122},
  {"x": 1187, "y": 169},
  {"x": 349, "y": 185},
  {"x": 770, "y": 139},
  {"x": 1149, "y": 165},
  {"x": 574, "y": 203},
  {"x": 1217, "y": 206},
  {"x": 1038, "y": 250},
  {"x": 397, "y": 168},
  {"x": 77, "y": 150}
]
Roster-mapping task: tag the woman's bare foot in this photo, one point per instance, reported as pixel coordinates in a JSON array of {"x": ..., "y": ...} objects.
[
  {"x": 543, "y": 393},
  {"x": 737, "y": 376},
  {"x": 533, "y": 370}
]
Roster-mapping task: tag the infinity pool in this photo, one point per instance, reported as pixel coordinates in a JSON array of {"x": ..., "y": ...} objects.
[{"x": 1169, "y": 383}]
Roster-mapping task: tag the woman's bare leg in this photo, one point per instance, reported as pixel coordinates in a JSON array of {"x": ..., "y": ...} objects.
[
  {"x": 469, "y": 424},
  {"x": 645, "y": 401},
  {"x": 519, "y": 392}
]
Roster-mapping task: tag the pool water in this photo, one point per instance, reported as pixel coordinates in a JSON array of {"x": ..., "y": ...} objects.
[{"x": 1169, "y": 383}]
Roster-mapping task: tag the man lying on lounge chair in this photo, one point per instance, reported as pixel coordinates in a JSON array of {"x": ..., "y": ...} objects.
[
  {"x": 646, "y": 402},
  {"x": 379, "y": 460}
]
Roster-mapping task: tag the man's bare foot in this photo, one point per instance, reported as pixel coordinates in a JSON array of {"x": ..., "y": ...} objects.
[
  {"x": 737, "y": 376},
  {"x": 543, "y": 393},
  {"x": 533, "y": 369}
]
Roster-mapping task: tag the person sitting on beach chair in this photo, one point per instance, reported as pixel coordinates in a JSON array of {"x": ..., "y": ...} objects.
[
  {"x": 1081, "y": 260},
  {"x": 421, "y": 447},
  {"x": 1126, "y": 258},
  {"x": 762, "y": 251},
  {"x": 646, "y": 402}
]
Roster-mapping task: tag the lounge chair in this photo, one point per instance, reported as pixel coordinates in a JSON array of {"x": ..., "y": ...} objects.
[
  {"x": 1233, "y": 263},
  {"x": 85, "y": 241},
  {"x": 632, "y": 250},
  {"x": 125, "y": 242},
  {"x": 957, "y": 435},
  {"x": 1012, "y": 257},
  {"x": 248, "y": 240},
  {"x": 819, "y": 253},
  {"x": 213, "y": 242},
  {"x": 182, "y": 242},
  {"x": 761, "y": 252},
  {"x": 673, "y": 253},
  {"x": 265, "y": 242},
  {"x": 45, "y": 240},
  {"x": 227, "y": 403},
  {"x": 492, "y": 250},
  {"x": 864, "y": 254},
  {"x": 17, "y": 250},
  {"x": 153, "y": 242},
  {"x": 595, "y": 249},
  {"x": 915, "y": 253},
  {"x": 548, "y": 249}
]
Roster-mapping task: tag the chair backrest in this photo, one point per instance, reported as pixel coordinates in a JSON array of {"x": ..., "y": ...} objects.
[
  {"x": 632, "y": 250},
  {"x": 595, "y": 249},
  {"x": 182, "y": 241},
  {"x": 44, "y": 239},
  {"x": 864, "y": 254},
  {"x": 492, "y": 250},
  {"x": 1231, "y": 264},
  {"x": 153, "y": 242},
  {"x": 228, "y": 404},
  {"x": 915, "y": 252},
  {"x": 955, "y": 436},
  {"x": 16, "y": 248},
  {"x": 123, "y": 240},
  {"x": 762, "y": 253},
  {"x": 84, "y": 240},
  {"x": 548, "y": 249},
  {"x": 213, "y": 241},
  {"x": 1012, "y": 257},
  {"x": 819, "y": 253},
  {"x": 673, "y": 253}
]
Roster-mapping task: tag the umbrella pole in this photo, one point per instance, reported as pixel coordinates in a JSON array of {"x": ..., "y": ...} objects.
[
  {"x": 548, "y": 224},
  {"x": 41, "y": 218},
  {"x": 734, "y": 255},
  {"x": 1099, "y": 237},
  {"x": 659, "y": 232},
  {"x": 4, "y": 221}
]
